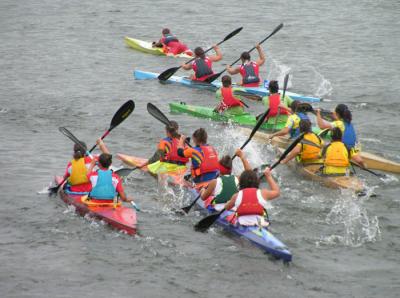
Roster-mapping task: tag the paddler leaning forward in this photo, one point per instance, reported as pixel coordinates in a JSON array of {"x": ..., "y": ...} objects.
[{"x": 229, "y": 104}]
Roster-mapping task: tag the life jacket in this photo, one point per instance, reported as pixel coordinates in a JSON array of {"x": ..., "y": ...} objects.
[
  {"x": 104, "y": 188},
  {"x": 209, "y": 162},
  {"x": 171, "y": 155},
  {"x": 249, "y": 204},
  {"x": 250, "y": 74},
  {"x": 168, "y": 38},
  {"x": 274, "y": 101},
  {"x": 202, "y": 68},
  {"x": 349, "y": 136},
  {"x": 228, "y": 99},
  {"x": 229, "y": 188},
  {"x": 310, "y": 152},
  {"x": 78, "y": 172},
  {"x": 297, "y": 117},
  {"x": 336, "y": 158}
]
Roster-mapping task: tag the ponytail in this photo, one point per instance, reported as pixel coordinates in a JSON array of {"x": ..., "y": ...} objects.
[
  {"x": 79, "y": 151},
  {"x": 344, "y": 113}
]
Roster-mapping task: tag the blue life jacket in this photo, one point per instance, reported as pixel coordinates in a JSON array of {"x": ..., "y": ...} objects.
[
  {"x": 295, "y": 132},
  {"x": 104, "y": 188},
  {"x": 168, "y": 38},
  {"x": 349, "y": 136},
  {"x": 202, "y": 68},
  {"x": 250, "y": 74}
]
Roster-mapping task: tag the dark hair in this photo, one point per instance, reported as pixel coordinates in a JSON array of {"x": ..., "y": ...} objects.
[
  {"x": 249, "y": 179},
  {"x": 166, "y": 31},
  {"x": 105, "y": 160},
  {"x": 200, "y": 136},
  {"x": 294, "y": 105},
  {"x": 226, "y": 161},
  {"x": 273, "y": 87},
  {"x": 199, "y": 52},
  {"x": 305, "y": 125},
  {"x": 226, "y": 81},
  {"x": 336, "y": 134},
  {"x": 172, "y": 128},
  {"x": 343, "y": 112},
  {"x": 79, "y": 151},
  {"x": 245, "y": 56}
]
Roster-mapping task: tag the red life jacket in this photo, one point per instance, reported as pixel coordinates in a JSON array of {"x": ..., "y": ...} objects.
[
  {"x": 250, "y": 74},
  {"x": 249, "y": 204},
  {"x": 228, "y": 99},
  {"x": 274, "y": 101},
  {"x": 202, "y": 68},
  {"x": 209, "y": 163},
  {"x": 172, "y": 155}
]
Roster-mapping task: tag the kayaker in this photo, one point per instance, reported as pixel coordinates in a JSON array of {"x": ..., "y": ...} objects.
[
  {"x": 292, "y": 126},
  {"x": 249, "y": 70},
  {"x": 171, "y": 44},
  {"x": 274, "y": 102},
  {"x": 308, "y": 151},
  {"x": 250, "y": 203},
  {"x": 221, "y": 189},
  {"x": 204, "y": 158},
  {"x": 105, "y": 184},
  {"x": 336, "y": 155},
  {"x": 166, "y": 158},
  {"x": 343, "y": 120},
  {"x": 202, "y": 65},
  {"x": 229, "y": 103},
  {"x": 77, "y": 170}
]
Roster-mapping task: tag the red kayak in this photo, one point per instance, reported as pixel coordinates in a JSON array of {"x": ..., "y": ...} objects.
[{"x": 120, "y": 217}]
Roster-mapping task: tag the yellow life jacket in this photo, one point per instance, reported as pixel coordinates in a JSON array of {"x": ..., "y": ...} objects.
[
  {"x": 336, "y": 158},
  {"x": 310, "y": 152},
  {"x": 78, "y": 172}
]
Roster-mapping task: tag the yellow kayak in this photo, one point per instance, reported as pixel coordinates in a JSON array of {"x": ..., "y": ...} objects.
[{"x": 146, "y": 47}]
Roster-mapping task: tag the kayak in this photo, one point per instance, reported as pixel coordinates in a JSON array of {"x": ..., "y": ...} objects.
[
  {"x": 312, "y": 172},
  {"x": 146, "y": 47},
  {"x": 260, "y": 236},
  {"x": 246, "y": 119},
  {"x": 214, "y": 86},
  {"x": 121, "y": 217},
  {"x": 372, "y": 161}
]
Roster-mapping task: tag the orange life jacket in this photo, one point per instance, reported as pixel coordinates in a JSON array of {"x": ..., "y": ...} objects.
[
  {"x": 336, "y": 155},
  {"x": 209, "y": 162},
  {"x": 310, "y": 152},
  {"x": 78, "y": 172},
  {"x": 172, "y": 152}
]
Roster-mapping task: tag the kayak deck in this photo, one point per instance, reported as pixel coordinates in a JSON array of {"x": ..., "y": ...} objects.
[
  {"x": 246, "y": 119},
  {"x": 122, "y": 218},
  {"x": 262, "y": 238},
  {"x": 146, "y": 47}
]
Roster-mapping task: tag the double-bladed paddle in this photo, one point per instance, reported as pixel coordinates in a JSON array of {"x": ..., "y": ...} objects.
[
  {"x": 217, "y": 75},
  {"x": 169, "y": 72},
  {"x": 123, "y": 112}
]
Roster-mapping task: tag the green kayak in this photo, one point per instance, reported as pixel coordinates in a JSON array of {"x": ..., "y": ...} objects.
[{"x": 245, "y": 119}]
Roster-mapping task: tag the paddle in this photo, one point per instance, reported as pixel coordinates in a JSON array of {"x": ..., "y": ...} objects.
[
  {"x": 306, "y": 107},
  {"x": 123, "y": 112},
  {"x": 247, "y": 95},
  {"x": 208, "y": 221},
  {"x": 368, "y": 170},
  {"x": 217, "y": 75},
  {"x": 169, "y": 72},
  {"x": 187, "y": 208}
]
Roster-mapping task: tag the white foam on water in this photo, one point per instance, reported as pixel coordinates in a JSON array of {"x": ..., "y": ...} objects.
[
  {"x": 321, "y": 86},
  {"x": 278, "y": 71}
]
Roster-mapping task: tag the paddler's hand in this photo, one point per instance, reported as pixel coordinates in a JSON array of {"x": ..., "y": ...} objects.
[
  {"x": 258, "y": 46},
  {"x": 239, "y": 153},
  {"x": 99, "y": 141},
  {"x": 182, "y": 141},
  {"x": 318, "y": 111},
  {"x": 284, "y": 161},
  {"x": 267, "y": 172},
  {"x": 215, "y": 47}
]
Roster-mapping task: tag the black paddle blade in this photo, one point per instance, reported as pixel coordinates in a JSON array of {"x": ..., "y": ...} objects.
[
  {"x": 186, "y": 209},
  {"x": 207, "y": 222},
  {"x": 123, "y": 112},
  {"x": 165, "y": 75},
  {"x": 279, "y": 27},
  {"x": 285, "y": 83},
  {"x": 230, "y": 35},
  {"x": 215, "y": 76},
  {"x": 305, "y": 107},
  {"x": 54, "y": 189},
  {"x": 156, "y": 113},
  {"x": 288, "y": 149},
  {"x": 124, "y": 172},
  {"x": 323, "y": 133},
  {"x": 247, "y": 95},
  {"x": 74, "y": 139}
]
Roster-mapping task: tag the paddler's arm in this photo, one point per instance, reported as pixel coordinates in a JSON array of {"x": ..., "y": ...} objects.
[
  {"x": 275, "y": 191},
  {"x": 246, "y": 165},
  {"x": 187, "y": 66},
  {"x": 296, "y": 151},
  {"x": 102, "y": 146},
  {"x": 121, "y": 192},
  {"x": 182, "y": 152},
  {"x": 218, "y": 55},
  {"x": 321, "y": 122},
  {"x": 231, "y": 203},
  {"x": 261, "y": 54},
  {"x": 209, "y": 190},
  {"x": 232, "y": 70},
  {"x": 92, "y": 165},
  {"x": 284, "y": 131}
]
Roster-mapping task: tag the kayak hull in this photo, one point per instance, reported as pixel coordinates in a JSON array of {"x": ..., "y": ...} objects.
[
  {"x": 246, "y": 119},
  {"x": 121, "y": 218},
  {"x": 263, "y": 239},
  {"x": 146, "y": 47},
  {"x": 214, "y": 86}
]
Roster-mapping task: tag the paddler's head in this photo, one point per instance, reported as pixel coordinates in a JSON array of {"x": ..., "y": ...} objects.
[
  {"x": 79, "y": 151},
  {"x": 199, "y": 53},
  {"x": 105, "y": 160},
  {"x": 336, "y": 134},
  {"x": 273, "y": 87},
  {"x": 226, "y": 81},
  {"x": 305, "y": 125},
  {"x": 225, "y": 165},
  {"x": 294, "y": 105},
  {"x": 249, "y": 179},
  {"x": 172, "y": 129},
  {"x": 200, "y": 137},
  {"x": 245, "y": 56},
  {"x": 342, "y": 112},
  {"x": 165, "y": 31}
]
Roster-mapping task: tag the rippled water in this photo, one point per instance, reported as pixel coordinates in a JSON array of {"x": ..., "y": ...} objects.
[{"x": 64, "y": 63}]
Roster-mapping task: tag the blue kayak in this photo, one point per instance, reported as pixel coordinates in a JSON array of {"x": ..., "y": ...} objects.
[{"x": 214, "y": 86}]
